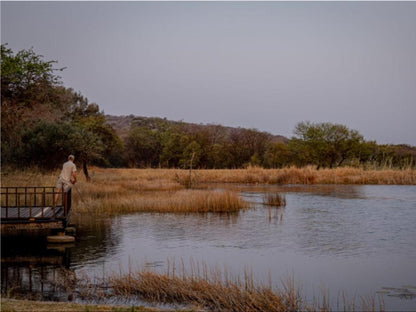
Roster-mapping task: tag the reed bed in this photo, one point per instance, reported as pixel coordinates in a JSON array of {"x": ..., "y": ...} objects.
[
  {"x": 171, "y": 179},
  {"x": 182, "y": 201},
  {"x": 308, "y": 175},
  {"x": 210, "y": 290},
  {"x": 168, "y": 179},
  {"x": 115, "y": 191},
  {"x": 274, "y": 199}
]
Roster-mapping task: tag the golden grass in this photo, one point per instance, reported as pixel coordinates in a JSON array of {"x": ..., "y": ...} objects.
[
  {"x": 274, "y": 199},
  {"x": 212, "y": 290},
  {"x": 164, "y": 190},
  {"x": 308, "y": 175},
  {"x": 115, "y": 191},
  {"x": 12, "y": 305},
  {"x": 168, "y": 201},
  {"x": 216, "y": 290}
]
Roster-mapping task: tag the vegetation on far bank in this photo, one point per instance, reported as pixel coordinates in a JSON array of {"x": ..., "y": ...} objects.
[{"x": 42, "y": 122}]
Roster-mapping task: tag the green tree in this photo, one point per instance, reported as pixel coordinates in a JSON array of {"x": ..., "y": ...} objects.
[
  {"x": 45, "y": 141},
  {"x": 26, "y": 80},
  {"x": 396, "y": 156},
  {"x": 277, "y": 155},
  {"x": 86, "y": 145},
  {"x": 88, "y": 117},
  {"x": 326, "y": 144},
  {"x": 174, "y": 144},
  {"x": 191, "y": 155},
  {"x": 41, "y": 117},
  {"x": 25, "y": 74},
  {"x": 143, "y": 147}
]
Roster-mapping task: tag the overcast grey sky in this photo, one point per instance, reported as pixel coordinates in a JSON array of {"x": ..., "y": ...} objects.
[{"x": 264, "y": 65}]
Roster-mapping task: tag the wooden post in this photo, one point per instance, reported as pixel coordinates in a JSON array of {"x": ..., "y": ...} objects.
[
  {"x": 17, "y": 204},
  {"x": 44, "y": 197},
  {"x": 34, "y": 197},
  {"x": 25, "y": 196},
  {"x": 7, "y": 203},
  {"x": 30, "y": 208},
  {"x": 53, "y": 202}
]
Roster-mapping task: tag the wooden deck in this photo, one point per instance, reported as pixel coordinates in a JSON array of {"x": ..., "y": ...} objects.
[
  {"x": 29, "y": 213},
  {"x": 33, "y": 209}
]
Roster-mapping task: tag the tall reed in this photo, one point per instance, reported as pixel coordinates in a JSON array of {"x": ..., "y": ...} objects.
[
  {"x": 308, "y": 175},
  {"x": 181, "y": 201},
  {"x": 217, "y": 290},
  {"x": 164, "y": 190},
  {"x": 274, "y": 199},
  {"x": 209, "y": 289}
]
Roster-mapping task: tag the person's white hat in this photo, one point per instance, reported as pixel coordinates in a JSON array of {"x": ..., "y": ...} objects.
[{"x": 71, "y": 157}]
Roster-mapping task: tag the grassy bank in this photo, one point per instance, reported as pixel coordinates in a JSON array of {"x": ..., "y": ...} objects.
[
  {"x": 309, "y": 175},
  {"x": 216, "y": 290},
  {"x": 115, "y": 191},
  {"x": 212, "y": 290},
  {"x": 12, "y": 305}
]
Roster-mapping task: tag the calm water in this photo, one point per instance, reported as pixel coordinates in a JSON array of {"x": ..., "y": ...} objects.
[{"x": 360, "y": 240}]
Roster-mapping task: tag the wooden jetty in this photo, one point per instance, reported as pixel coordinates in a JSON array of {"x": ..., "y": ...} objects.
[{"x": 32, "y": 210}]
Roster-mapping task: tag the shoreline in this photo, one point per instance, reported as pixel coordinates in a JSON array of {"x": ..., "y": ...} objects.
[
  {"x": 117, "y": 191},
  {"x": 25, "y": 305}
]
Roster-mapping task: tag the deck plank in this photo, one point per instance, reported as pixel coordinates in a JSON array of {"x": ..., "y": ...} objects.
[{"x": 31, "y": 212}]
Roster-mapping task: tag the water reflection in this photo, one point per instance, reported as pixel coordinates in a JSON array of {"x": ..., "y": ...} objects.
[
  {"x": 348, "y": 237},
  {"x": 276, "y": 214},
  {"x": 96, "y": 240},
  {"x": 330, "y": 190},
  {"x": 32, "y": 269}
]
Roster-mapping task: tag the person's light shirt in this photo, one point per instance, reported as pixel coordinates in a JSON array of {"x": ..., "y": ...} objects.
[{"x": 67, "y": 170}]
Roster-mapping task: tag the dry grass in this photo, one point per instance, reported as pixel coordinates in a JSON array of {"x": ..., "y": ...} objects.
[
  {"x": 308, "y": 175},
  {"x": 216, "y": 290},
  {"x": 12, "y": 305},
  {"x": 209, "y": 289},
  {"x": 274, "y": 199},
  {"x": 168, "y": 201},
  {"x": 115, "y": 191}
]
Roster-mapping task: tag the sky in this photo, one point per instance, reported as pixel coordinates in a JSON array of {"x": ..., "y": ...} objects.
[{"x": 262, "y": 65}]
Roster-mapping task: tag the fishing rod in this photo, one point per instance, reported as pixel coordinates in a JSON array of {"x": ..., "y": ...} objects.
[
  {"x": 81, "y": 197},
  {"x": 79, "y": 193}
]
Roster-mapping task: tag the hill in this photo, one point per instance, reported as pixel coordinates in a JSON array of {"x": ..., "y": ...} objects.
[{"x": 122, "y": 124}]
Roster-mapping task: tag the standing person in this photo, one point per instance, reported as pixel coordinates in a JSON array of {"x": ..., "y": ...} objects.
[{"x": 67, "y": 177}]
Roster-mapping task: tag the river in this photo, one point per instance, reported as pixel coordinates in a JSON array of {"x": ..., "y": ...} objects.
[{"x": 356, "y": 240}]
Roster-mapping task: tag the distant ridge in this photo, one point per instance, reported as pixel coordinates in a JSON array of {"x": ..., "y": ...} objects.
[{"x": 122, "y": 124}]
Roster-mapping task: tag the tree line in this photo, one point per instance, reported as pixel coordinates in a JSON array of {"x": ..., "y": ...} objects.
[
  {"x": 42, "y": 122},
  {"x": 156, "y": 142}
]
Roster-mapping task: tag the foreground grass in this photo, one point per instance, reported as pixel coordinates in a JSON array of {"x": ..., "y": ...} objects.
[
  {"x": 212, "y": 293},
  {"x": 114, "y": 191},
  {"x": 12, "y": 305},
  {"x": 216, "y": 290},
  {"x": 197, "y": 287}
]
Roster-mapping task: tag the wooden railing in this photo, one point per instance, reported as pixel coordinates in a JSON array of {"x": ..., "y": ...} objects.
[{"x": 33, "y": 204}]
